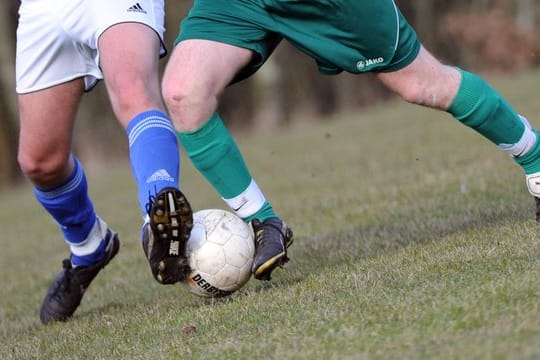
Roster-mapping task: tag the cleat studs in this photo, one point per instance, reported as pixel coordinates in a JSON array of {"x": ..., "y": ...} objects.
[
  {"x": 170, "y": 225},
  {"x": 171, "y": 202}
]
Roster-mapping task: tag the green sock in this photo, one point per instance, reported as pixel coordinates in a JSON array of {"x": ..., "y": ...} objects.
[
  {"x": 478, "y": 106},
  {"x": 215, "y": 154},
  {"x": 531, "y": 161},
  {"x": 264, "y": 213}
]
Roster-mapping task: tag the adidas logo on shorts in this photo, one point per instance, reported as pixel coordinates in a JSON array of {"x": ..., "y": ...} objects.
[{"x": 136, "y": 8}]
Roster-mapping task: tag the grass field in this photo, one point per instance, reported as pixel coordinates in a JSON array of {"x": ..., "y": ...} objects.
[{"x": 415, "y": 239}]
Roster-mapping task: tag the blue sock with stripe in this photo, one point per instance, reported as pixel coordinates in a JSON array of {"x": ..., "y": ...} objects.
[
  {"x": 72, "y": 209},
  {"x": 154, "y": 154}
]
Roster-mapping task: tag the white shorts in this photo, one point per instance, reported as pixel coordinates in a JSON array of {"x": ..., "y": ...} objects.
[{"x": 57, "y": 39}]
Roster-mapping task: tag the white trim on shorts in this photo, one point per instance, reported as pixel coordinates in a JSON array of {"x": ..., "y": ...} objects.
[{"x": 57, "y": 39}]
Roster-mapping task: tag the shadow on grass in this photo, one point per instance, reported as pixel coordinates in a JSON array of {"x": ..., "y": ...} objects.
[
  {"x": 319, "y": 253},
  {"x": 357, "y": 242}
]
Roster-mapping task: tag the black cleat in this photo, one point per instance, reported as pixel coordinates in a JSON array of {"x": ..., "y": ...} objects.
[
  {"x": 272, "y": 238},
  {"x": 67, "y": 289},
  {"x": 164, "y": 237}
]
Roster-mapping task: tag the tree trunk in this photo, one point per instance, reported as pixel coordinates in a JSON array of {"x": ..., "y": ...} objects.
[
  {"x": 526, "y": 15},
  {"x": 425, "y": 21},
  {"x": 9, "y": 171}
]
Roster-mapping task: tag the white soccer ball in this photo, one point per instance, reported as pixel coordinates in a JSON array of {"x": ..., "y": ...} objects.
[{"x": 220, "y": 252}]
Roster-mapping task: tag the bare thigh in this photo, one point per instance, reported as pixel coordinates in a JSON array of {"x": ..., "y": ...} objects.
[
  {"x": 131, "y": 69},
  {"x": 47, "y": 118},
  {"x": 197, "y": 73}
]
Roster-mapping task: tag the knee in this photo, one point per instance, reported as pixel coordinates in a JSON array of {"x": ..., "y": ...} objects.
[
  {"x": 434, "y": 96},
  {"x": 425, "y": 82},
  {"x": 179, "y": 97},
  {"x": 188, "y": 106},
  {"x": 44, "y": 171},
  {"x": 173, "y": 95},
  {"x": 414, "y": 93}
]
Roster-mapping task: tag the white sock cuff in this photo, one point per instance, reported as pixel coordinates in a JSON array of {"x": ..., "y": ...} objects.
[
  {"x": 524, "y": 145},
  {"x": 248, "y": 202},
  {"x": 92, "y": 241}
]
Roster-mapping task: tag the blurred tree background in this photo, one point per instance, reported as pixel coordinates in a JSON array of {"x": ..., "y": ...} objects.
[{"x": 486, "y": 36}]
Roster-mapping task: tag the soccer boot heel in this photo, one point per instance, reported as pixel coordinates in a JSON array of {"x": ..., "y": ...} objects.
[
  {"x": 65, "y": 293},
  {"x": 165, "y": 235},
  {"x": 272, "y": 238}
]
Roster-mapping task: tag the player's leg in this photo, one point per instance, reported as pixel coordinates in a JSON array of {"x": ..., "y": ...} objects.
[
  {"x": 45, "y": 158},
  {"x": 196, "y": 74},
  {"x": 50, "y": 87},
  {"x": 132, "y": 79},
  {"x": 409, "y": 69},
  {"x": 474, "y": 103},
  {"x": 60, "y": 182},
  {"x": 425, "y": 81}
]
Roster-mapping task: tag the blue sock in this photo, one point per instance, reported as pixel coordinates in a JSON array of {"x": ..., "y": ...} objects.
[
  {"x": 154, "y": 154},
  {"x": 70, "y": 206}
]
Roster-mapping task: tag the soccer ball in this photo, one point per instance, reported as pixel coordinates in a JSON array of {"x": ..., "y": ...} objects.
[{"x": 220, "y": 252}]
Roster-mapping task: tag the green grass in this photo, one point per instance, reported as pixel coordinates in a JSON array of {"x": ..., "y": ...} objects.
[{"x": 414, "y": 239}]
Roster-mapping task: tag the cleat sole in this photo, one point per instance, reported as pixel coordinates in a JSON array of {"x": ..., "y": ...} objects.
[{"x": 171, "y": 221}]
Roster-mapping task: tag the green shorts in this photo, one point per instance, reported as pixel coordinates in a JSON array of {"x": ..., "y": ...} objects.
[{"x": 356, "y": 36}]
